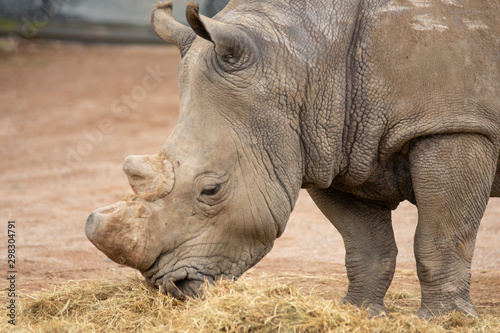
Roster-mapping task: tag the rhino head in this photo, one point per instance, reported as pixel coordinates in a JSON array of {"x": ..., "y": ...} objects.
[{"x": 210, "y": 204}]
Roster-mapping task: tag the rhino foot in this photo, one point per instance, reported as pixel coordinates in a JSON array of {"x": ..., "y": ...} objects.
[
  {"x": 377, "y": 311},
  {"x": 374, "y": 309},
  {"x": 429, "y": 311}
]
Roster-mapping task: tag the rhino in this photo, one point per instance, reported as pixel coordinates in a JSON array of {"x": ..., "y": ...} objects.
[{"x": 364, "y": 103}]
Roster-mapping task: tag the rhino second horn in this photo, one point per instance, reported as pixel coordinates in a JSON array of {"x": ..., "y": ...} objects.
[
  {"x": 168, "y": 29},
  {"x": 151, "y": 176}
]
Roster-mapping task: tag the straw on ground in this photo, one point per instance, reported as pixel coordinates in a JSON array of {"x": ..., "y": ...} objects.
[{"x": 249, "y": 305}]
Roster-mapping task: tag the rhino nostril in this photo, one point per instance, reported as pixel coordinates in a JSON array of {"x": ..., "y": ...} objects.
[
  {"x": 90, "y": 226},
  {"x": 90, "y": 220}
]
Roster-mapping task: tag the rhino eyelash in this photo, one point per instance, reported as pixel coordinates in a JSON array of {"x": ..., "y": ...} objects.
[
  {"x": 229, "y": 59},
  {"x": 227, "y": 64},
  {"x": 224, "y": 65},
  {"x": 211, "y": 190}
]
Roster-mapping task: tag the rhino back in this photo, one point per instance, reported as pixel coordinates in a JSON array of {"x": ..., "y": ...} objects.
[{"x": 420, "y": 68}]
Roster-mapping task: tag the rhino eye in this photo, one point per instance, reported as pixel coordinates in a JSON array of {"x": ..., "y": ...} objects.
[
  {"x": 229, "y": 58},
  {"x": 210, "y": 190}
]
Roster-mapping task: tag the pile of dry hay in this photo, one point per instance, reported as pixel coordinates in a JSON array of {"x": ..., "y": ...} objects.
[{"x": 250, "y": 305}]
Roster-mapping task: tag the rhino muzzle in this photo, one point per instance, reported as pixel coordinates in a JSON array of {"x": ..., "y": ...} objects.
[{"x": 123, "y": 231}]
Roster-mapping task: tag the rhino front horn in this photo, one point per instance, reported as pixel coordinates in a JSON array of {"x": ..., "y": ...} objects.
[{"x": 151, "y": 176}]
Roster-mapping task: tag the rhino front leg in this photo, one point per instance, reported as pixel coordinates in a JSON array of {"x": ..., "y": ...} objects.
[
  {"x": 370, "y": 247},
  {"x": 452, "y": 177}
]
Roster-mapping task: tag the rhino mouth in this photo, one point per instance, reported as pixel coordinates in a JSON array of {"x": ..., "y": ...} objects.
[
  {"x": 182, "y": 284},
  {"x": 184, "y": 288}
]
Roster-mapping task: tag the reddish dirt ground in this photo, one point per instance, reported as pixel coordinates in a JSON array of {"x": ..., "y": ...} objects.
[{"x": 70, "y": 114}]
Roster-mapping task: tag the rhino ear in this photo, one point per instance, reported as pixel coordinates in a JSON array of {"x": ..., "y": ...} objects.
[
  {"x": 230, "y": 41},
  {"x": 168, "y": 29}
]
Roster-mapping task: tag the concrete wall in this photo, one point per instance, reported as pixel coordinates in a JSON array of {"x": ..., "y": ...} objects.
[{"x": 91, "y": 20}]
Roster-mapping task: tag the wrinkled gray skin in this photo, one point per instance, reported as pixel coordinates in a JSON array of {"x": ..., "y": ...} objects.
[{"x": 364, "y": 103}]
